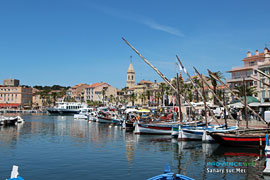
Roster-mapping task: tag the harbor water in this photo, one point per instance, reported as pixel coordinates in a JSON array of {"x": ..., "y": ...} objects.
[{"x": 58, "y": 147}]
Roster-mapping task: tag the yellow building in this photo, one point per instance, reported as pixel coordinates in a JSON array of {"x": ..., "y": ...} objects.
[{"x": 15, "y": 97}]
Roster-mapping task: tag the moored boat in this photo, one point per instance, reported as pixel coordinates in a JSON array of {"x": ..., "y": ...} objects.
[
  {"x": 15, "y": 174},
  {"x": 6, "y": 121},
  {"x": 170, "y": 176},
  {"x": 243, "y": 138},
  {"x": 66, "y": 108},
  {"x": 84, "y": 113},
  {"x": 155, "y": 128}
]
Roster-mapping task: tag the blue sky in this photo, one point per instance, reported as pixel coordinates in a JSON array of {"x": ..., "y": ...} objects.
[{"x": 68, "y": 42}]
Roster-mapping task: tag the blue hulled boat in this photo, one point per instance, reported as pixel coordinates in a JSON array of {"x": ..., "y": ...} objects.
[
  {"x": 168, "y": 175},
  {"x": 15, "y": 174}
]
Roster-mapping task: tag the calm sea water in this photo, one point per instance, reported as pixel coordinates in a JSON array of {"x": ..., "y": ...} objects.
[{"x": 58, "y": 148}]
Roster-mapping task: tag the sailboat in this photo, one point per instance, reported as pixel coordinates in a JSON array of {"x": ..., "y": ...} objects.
[{"x": 248, "y": 137}]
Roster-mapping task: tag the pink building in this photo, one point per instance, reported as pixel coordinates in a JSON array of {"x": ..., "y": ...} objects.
[
  {"x": 251, "y": 62},
  {"x": 94, "y": 92}
]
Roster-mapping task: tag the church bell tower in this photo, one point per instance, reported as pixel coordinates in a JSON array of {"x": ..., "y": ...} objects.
[{"x": 130, "y": 75}]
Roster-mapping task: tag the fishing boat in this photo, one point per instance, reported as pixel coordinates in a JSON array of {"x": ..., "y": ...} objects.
[
  {"x": 129, "y": 123},
  {"x": 155, "y": 128},
  {"x": 109, "y": 117},
  {"x": 93, "y": 116},
  {"x": 243, "y": 138},
  {"x": 187, "y": 125},
  {"x": 170, "y": 175},
  {"x": 15, "y": 174},
  {"x": 201, "y": 133}
]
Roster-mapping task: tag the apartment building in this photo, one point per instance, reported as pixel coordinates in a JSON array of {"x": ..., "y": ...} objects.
[
  {"x": 98, "y": 91},
  {"x": 77, "y": 92},
  {"x": 248, "y": 72},
  {"x": 15, "y": 97}
]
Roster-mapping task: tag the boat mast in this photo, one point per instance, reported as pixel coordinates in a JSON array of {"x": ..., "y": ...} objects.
[
  {"x": 179, "y": 99},
  {"x": 245, "y": 101},
  {"x": 219, "y": 100},
  {"x": 225, "y": 117},
  {"x": 158, "y": 72},
  {"x": 195, "y": 86},
  {"x": 236, "y": 95},
  {"x": 204, "y": 102}
]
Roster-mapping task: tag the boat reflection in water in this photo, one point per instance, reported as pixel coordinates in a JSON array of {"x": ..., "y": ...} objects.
[{"x": 109, "y": 151}]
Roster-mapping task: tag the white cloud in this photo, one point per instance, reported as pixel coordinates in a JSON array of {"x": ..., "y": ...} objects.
[{"x": 139, "y": 19}]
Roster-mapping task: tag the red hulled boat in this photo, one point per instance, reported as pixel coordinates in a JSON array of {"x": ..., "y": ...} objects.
[{"x": 242, "y": 138}]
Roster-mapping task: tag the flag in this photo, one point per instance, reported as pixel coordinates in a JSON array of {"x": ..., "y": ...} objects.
[
  {"x": 182, "y": 68},
  {"x": 181, "y": 77}
]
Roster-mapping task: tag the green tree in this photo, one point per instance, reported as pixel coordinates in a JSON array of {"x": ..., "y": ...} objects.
[
  {"x": 142, "y": 97},
  {"x": 104, "y": 89},
  {"x": 157, "y": 96},
  {"x": 250, "y": 90},
  {"x": 162, "y": 87},
  {"x": 148, "y": 94},
  {"x": 133, "y": 98}
]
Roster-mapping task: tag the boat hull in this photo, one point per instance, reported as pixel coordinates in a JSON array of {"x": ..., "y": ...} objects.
[
  {"x": 105, "y": 120},
  {"x": 191, "y": 135},
  {"x": 55, "y": 111},
  {"x": 154, "y": 129},
  {"x": 238, "y": 140}
]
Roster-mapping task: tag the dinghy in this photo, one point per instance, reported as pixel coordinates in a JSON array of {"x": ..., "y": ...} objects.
[{"x": 170, "y": 175}]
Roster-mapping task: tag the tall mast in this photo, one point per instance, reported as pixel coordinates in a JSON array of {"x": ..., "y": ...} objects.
[
  {"x": 179, "y": 99},
  {"x": 245, "y": 101},
  {"x": 236, "y": 95},
  {"x": 157, "y": 71},
  {"x": 219, "y": 100},
  {"x": 195, "y": 86}
]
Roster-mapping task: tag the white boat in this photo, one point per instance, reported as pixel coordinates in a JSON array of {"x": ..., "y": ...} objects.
[
  {"x": 93, "y": 116},
  {"x": 67, "y": 108},
  {"x": 84, "y": 113},
  {"x": 154, "y": 128},
  {"x": 109, "y": 117},
  {"x": 8, "y": 120},
  {"x": 200, "y": 133}
]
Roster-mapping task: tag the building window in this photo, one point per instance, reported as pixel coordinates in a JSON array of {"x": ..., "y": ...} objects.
[
  {"x": 252, "y": 63},
  {"x": 262, "y": 83},
  {"x": 263, "y": 94}
]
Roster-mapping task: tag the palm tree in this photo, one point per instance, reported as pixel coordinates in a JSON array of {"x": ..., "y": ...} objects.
[
  {"x": 158, "y": 95},
  {"x": 148, "y": 94},
  {"x": 104, "y": 93},
  {"x": 142, "y": 97},
  {"x": 111, "y": 98},
  {"x": 219, "y": 75},
  {"x": 133, "y": 98},
  {"x": 162, "y": 86},
  {"x": 197, "y": 81},
  {"x": 168, "y": 92},
  {"x": 250, "y": 90}
]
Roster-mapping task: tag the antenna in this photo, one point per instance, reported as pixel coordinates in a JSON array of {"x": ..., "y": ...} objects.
[{"x": 130, "y": 59}]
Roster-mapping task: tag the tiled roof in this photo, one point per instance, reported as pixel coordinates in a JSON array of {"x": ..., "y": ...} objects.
[
  {"x": 254, "y": 57},
  {"x": 96, "y": 85},
  {"x": 145, "y": 82},
  {"x": 240, "y": 69},
  {"x": 78, "y": 85}
]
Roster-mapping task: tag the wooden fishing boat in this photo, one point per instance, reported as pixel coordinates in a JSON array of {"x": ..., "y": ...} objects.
[
  {"x": 169, "y": 175},
  {"x": 155, "y": 128},
  {"x": 201, "y": 133},
  {"x": 242, "y": 138},
  {"x": 15, "y": 174}
]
